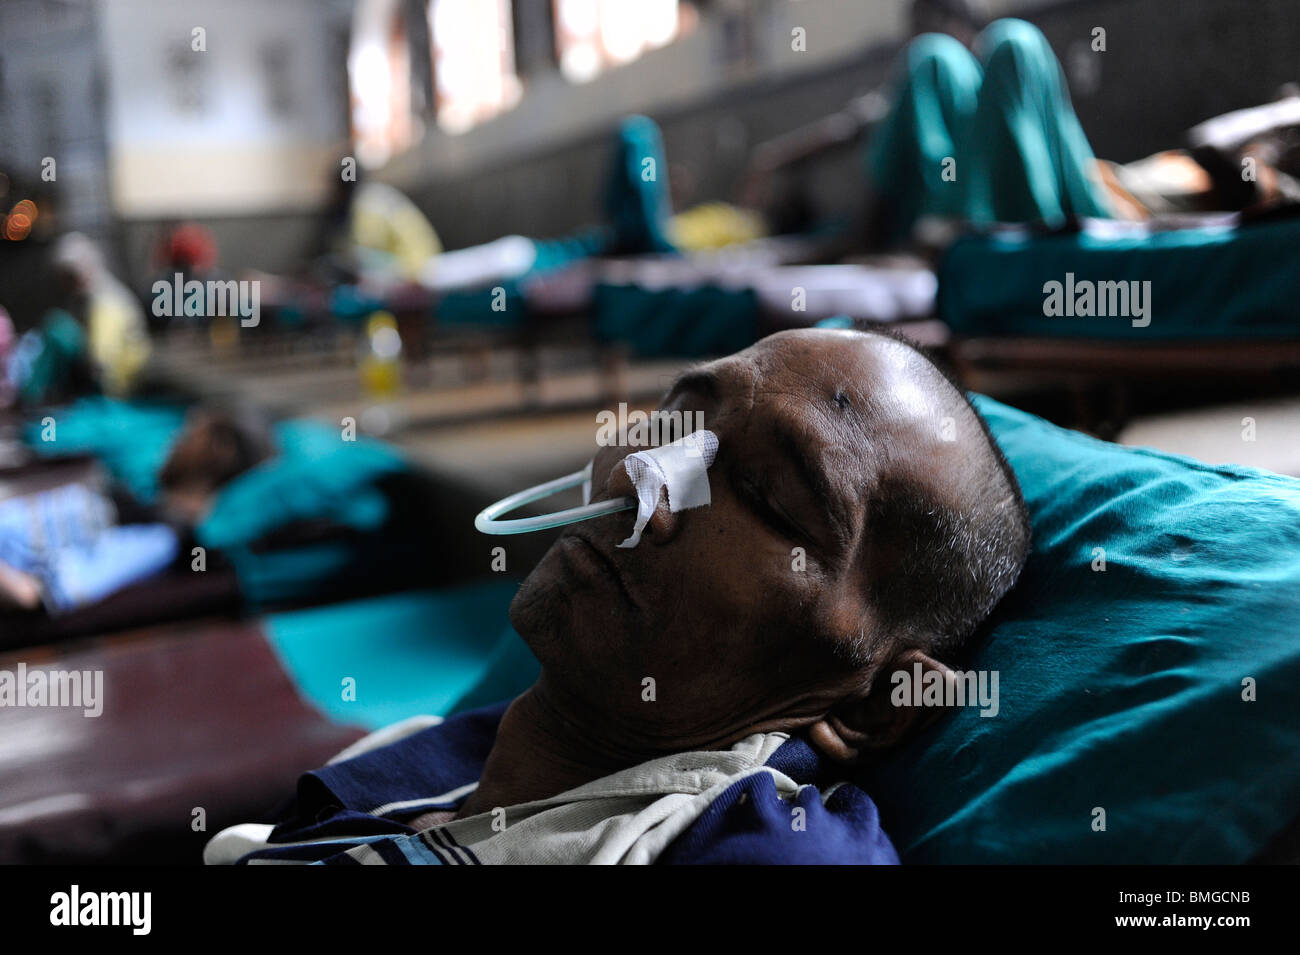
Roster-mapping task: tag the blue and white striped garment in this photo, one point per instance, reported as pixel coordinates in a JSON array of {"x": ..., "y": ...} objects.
[
  {"x": 770, "y": 799},
  {"x": 67, "y": 538}
]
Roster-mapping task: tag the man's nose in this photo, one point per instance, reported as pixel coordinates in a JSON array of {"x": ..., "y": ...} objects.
[{"x": 663, "y": 524}]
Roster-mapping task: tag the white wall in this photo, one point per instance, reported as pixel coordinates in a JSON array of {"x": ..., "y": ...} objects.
[{"x": 235, "y": 154}]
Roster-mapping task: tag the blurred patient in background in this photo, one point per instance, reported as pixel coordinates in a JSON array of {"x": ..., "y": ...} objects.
[
  {"x": 216, "y": 447},
  {"x": 73, "y": 544}
]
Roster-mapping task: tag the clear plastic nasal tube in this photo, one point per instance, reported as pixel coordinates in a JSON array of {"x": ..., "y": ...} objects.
[
  {"x": 679, "y": 467},
  {"x": 488, "y": 520}
]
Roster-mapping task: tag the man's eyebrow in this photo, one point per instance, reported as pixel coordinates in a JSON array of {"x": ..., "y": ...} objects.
[
  {"x": 695, "y": 379},
  {"x": 809, "y": 474}
]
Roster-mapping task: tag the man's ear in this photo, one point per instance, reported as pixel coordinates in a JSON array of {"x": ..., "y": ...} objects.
[{"x": 886, "y": 713}]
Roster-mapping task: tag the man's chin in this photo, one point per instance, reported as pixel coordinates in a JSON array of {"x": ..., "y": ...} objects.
[
  {"x": 562, "y": 611},
  {"x": 542, "y": 607}
]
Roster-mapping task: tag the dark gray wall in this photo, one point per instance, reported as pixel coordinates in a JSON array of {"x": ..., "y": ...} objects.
[{"x": 273, "y": 243}]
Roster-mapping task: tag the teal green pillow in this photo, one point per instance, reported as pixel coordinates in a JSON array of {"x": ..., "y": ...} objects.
[{"x": 1160, "y": 690}]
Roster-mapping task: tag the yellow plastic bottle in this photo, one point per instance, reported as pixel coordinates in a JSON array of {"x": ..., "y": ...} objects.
[{"x": 381, "y": 361}]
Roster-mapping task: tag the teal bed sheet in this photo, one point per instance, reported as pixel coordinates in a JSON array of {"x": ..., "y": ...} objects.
[
  {"x": 1212, "y": 283},
  {"x": 686, "y": 323},
  {"x": 406, "y": 654}
]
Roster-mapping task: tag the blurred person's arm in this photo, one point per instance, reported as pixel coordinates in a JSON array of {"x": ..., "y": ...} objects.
[{"x": 18, "y": 589}]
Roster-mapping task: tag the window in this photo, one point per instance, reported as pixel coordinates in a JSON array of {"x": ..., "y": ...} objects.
[
  {"x": 186, "y": 70},
  {"x": 473, "y": 61},
  {"x": 275, "y": 57},
  {"x": 379, "y": 73},
  {"x": 594, "y": 35}
]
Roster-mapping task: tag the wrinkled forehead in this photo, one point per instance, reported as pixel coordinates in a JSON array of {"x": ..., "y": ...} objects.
[{"x": 846, "y": 378}]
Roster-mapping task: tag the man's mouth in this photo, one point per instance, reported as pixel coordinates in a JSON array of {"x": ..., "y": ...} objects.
[{"x": 581, "y": 549}]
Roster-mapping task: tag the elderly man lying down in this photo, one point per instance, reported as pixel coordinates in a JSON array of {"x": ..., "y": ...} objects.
[{"x": 705, "y": 695}]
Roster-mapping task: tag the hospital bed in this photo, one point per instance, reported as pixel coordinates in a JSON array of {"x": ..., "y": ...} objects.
[
  {"x": 1157, "y": 606},
  {"x": 1123, "y": 640},
  {"x": 519, "y": 293},
  {"x": 170, "y": 594},
  {"x": 604, "y": 308},
  {"x": 324, "y": 520},
  {"x": 1221, "y": 293}
]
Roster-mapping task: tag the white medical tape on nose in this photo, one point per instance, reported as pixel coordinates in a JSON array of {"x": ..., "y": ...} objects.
[{"x": 681, "y": 467}]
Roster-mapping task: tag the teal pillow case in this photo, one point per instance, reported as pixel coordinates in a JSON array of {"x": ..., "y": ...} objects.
[{"x": 1157, "y": 695}]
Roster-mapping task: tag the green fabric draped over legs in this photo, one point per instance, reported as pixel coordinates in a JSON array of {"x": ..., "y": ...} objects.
[
  {"x": 637, "y": 203},
  {"x": 993, "y": 140}
]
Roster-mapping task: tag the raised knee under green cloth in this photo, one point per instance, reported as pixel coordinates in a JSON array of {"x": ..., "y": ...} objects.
[
  {"x": 934, "y": 100},
  {"x": 637, "y": 211},
  {"x": 1031, "y": 158},
  {"x": 637, "y": 204},
  {"x": 989, "y": 141}
]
